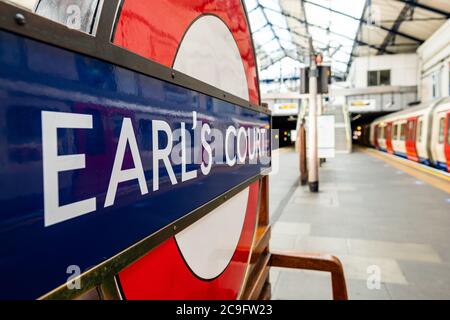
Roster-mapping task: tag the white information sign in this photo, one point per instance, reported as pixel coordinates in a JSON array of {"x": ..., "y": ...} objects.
[{"x": 325, "y": 136}]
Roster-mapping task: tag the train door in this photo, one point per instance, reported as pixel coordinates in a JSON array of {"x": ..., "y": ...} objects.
[
  {"x": 438, "y": 147},
  {"x": 395, "y": 135},
  {"x": 382, "y": 137},
  {"x": 410, "y": 139},
  {"x": 375, "y": 138},
  {"x": 447, "y": 141},
  {"x": 389, "y": 147},
  {"x": 421, "y": 141}
]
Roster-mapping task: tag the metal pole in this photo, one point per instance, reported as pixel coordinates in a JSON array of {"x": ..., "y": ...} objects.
[
  {"x": 319, "y": 113},
  {"x": 319, "y": 104},
  {"x": 313, "y": 169}
]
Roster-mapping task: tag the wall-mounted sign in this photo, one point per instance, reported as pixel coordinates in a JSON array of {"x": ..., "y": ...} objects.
[
  {"x": 362, "y": 105},
  {"x": 95, "y": 161},
  {"x": 285, "y": 109},
  {"x": 325, "y": 136}
]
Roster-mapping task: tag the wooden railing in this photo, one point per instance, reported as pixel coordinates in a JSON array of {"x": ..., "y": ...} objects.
[
  {"x": 257, "y": 284},
  {"x": 318, "y": 262}
]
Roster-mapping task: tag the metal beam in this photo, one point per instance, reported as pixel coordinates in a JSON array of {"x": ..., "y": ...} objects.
[
  {"x": 335, "y": 50},
  {"x": 358, "y": 32},
  {"x": 364, "y": 21},
  {"x": 373, "y": 46},
  {"x": 288, "y": 29},
  {"x": 275, "y": 35},
  {"x": 426, "y": 7},
  {"x": 416, "y": 19},
  {"x": 260, "y": 46},
  {"x": 271, "y": 28},
  {"x": 294, "y": 32},
  {"x": 272, "y": 62},
  {"x": 261, "y": 28},
  {"x": 302, "y": 3},
  {"x": 407, "y": 10}
]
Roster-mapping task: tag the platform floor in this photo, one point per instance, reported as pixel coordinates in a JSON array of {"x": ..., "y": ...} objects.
[{"x": 375, "y": 217}]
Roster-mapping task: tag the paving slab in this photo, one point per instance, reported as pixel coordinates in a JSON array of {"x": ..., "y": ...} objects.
[{"x": 370, "y": 215}]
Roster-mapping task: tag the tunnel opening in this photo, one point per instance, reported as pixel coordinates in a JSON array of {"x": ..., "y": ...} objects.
[
  {"x": 360, "y": 126},
  {"x": 285, "y": 130}
]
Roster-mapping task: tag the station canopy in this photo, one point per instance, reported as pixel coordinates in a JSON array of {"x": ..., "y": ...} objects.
[{"x": 340, "y": 30}]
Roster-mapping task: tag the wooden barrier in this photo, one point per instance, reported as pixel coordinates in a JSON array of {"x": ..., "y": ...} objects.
[
  {"x": 302, "y": 153},
  {"x": 257, "y": 285}
]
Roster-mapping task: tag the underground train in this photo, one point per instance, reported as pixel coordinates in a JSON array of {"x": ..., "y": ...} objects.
[
  {"x": 420, "y": 133},
  {"x": 133, "y": 149}
]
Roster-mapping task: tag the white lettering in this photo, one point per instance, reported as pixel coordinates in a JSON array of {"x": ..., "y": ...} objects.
[
  {"x": 206, "y": 168},
  {"x": 73, "y": 17},
  {"x": 251, "y": 146},
  {"x": 53, "y": 164},
  {"x": 161, "y": 154},
  {"x": 241, "y": 138},
  {"x": 118, "y": 175},
  {"x": 185, "y": 175},
  {"x": 230, "y": 161}
]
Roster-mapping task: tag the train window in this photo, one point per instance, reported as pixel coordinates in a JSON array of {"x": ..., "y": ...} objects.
[
  {"x": 448, "y": 129},
  {"x": 372, "y": 78},
  {"x": 441, "y": 130},
  {"x": 410, "y": 131},
  {"x": 436, "y": 84},
  {"x": 419, "y": 131},
  {"x": 396, "y": 132},
  {"x": 75, "y": 14},
  {"x": 402, "y": 131},
  {"x": 385, "y": 77}
]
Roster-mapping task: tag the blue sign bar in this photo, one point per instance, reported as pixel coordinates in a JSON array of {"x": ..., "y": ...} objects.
[{"x": 79, "y": 142}]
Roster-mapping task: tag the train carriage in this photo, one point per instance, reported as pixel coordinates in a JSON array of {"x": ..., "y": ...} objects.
[
  {"x": 440, "y": 135},
  {"x": 420, "y": 133}
]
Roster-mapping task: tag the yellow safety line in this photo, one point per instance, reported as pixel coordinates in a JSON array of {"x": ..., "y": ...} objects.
[
  {"x": 412, "y": 164},
  {"x": 435, "y": 179}
]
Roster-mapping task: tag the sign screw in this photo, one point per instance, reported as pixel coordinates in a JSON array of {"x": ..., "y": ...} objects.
[{"x": 20, "y": 19}]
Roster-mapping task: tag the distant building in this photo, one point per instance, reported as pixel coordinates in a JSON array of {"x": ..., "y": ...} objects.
[
  {"x": 434, "y": 65},
  {"x": 383, "y": 83}
]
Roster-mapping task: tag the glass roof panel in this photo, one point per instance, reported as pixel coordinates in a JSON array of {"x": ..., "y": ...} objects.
[
  {"x": 333, "y": 33},
  {"x": 270, "y": 32},
  {"x": 257, "y": 20}
]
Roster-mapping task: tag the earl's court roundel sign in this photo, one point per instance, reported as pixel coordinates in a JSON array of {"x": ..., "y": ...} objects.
[{"x": 114, "y": 157}]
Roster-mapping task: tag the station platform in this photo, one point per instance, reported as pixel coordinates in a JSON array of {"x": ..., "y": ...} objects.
[{"x": 387, "y": 221}]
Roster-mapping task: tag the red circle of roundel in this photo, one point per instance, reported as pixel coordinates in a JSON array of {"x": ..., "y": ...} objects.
[
  {"x": 163, "y": 273},
  {"x": 154, "y": 29}
]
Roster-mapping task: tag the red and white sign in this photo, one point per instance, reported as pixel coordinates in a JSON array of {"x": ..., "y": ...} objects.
[{"x": 210, "y": 41}]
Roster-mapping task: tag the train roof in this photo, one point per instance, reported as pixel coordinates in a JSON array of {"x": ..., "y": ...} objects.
[{"x": 422, "y": 106}]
